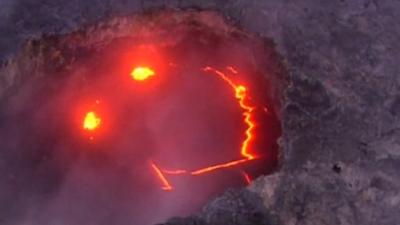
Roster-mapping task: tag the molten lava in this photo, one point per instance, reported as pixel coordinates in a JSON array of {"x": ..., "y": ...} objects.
[
  {"x": 92, "y": 121},
  {"x": 142, "y": 73},
  {"x": 219, "y": 166},
  {"x": 242, "y": 97},
  {"x": 166, "y": 186}
]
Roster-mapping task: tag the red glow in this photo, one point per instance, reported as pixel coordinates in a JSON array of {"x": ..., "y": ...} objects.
[
  {"x": 241, "y": 95},
  {"x": 92, "y": 118},
  {"x": 174, "y": 172},
  {"x": 166, "y": 186},
  {"x": 240, "y": 92},
  {"x": 92, "y": 122},
  {"x": 246, "y": 177},
  {"x": 141, "y": 64},
  {"x": 219, "y": 166},
  {"x": 232, "y": 70}
]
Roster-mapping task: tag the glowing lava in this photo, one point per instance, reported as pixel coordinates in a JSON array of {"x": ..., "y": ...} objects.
[
  {"x": 219, "y": 166},
  {"x": 166, "y": 186},
  {"x": 142, "y": 73},
  {"x": 92, "y": 121},
  {"x": 241, "y": 95}
]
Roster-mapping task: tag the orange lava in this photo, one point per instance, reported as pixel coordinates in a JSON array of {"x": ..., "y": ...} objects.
[
  {"x": 219, "y": 166},
  {"x": 174, "y": 172},
  {"x": 241, "y": 96},
  {"x": 92, "y": 121},
  {"x": 142, "y": 73},
  {"x": 166, "y": 186}
]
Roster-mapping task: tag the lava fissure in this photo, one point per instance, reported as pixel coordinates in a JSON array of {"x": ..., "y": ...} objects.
[
  {"x": 166, "y": 185},
  {"x": 241, "y": 95},
  {"x": 246, "y": 177},
  {"x": 174, "y": 172},
  {"x": 219, "y": 166}
]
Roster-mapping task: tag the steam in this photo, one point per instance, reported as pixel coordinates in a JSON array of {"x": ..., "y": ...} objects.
[{"x": 180, "y": 118}]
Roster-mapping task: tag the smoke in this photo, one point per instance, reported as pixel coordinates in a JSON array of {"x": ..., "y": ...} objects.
[{"x": 182, "y": 118}]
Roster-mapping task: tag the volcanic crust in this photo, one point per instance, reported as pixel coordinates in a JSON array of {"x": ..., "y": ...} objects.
[{"x": 340, "y": 113}]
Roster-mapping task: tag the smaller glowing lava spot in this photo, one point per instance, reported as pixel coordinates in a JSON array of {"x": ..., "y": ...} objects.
[
  {"x": 92, "y": 121},
  {"x": 142, "y": 73}
]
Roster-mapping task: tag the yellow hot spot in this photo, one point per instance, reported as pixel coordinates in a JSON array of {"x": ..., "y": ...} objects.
[
  {"x": 142, "y": 73},
  {"x": 91, "y": 121}
]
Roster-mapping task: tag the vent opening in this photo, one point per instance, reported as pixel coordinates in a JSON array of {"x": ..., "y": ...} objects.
[{"x": 138, "y": 119}]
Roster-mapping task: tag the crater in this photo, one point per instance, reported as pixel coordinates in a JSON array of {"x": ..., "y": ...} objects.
[{"x": 138, "y": 119}]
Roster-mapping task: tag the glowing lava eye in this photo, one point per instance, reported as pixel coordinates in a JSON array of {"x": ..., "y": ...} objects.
[
  {"x": 91, "y": 121},
  {"x": 142, "y": 73}
]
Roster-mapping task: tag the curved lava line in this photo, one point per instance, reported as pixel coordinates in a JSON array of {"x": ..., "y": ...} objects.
[{"x": 241, "y": 95}]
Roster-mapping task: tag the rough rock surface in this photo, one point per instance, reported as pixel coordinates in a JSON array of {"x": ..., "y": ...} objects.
[{"x": 340, "y": 149}]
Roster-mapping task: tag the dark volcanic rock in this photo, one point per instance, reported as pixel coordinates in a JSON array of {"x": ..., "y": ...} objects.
[
  {"x": 340, "y": 148},
  {"x": 236, "y": 207}
]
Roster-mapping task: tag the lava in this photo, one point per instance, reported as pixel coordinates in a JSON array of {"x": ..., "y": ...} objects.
[
  {"x": 166, "y": 186},
  {"x": 241, "y": 94},
  {"x": 142, "y": 73},
  {"x": 219, "y": 166},
  {"x": 174, "y": 172},
  {"x": 242, "y": 97},
  {"x": 246, "y": 177},
  {"x": 232, "y": 70},
  {"x": 92, "y": 121}
]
